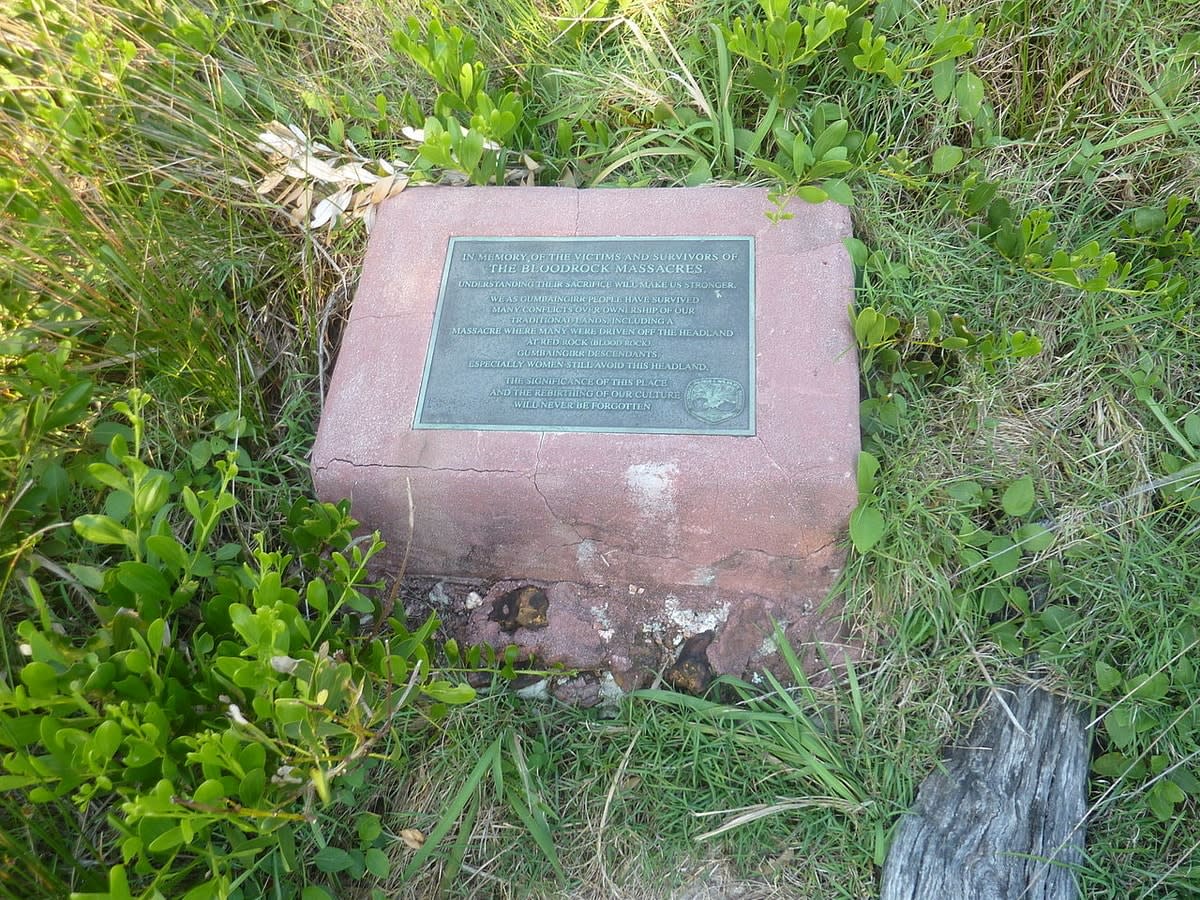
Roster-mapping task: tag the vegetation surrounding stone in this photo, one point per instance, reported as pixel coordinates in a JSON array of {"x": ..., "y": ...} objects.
[{"x": 1022, "y": 177}]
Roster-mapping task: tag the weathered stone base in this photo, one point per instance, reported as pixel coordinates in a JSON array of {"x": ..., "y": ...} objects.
[{"x": 641, "y": 633}]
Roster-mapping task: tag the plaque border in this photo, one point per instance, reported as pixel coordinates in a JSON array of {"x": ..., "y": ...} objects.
[{"x": 751, "y": 429}]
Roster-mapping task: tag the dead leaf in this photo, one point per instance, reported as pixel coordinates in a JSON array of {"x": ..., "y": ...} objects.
[
  {"x": 413, "y": 838},
  {"x": 304, "y": 202},
  {"x": 318, "y": 169},
  {"x": 362, "y": 199},
  {"x": 355, "y": 173},
  {"x": 303, "y": 170},
  {"x": 400, "y": 183},
  {"x": 330, "y": 208},
  {"x": 379, "y": 191},
  {"x": 269, "y": 183}
]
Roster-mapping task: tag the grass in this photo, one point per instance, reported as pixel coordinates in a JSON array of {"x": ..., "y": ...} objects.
[{"x": 129, "y": 228}]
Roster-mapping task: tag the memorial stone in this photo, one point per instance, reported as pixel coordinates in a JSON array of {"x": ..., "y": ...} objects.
[{"x": 638, "y": 406}]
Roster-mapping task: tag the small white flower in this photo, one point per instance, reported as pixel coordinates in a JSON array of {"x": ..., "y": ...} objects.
[
  {"x": 25, "y": 649},
  {"x": 236, "y": 715}
]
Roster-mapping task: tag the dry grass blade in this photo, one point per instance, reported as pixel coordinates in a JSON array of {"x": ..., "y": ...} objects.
[{"x": 763, "y": 810}]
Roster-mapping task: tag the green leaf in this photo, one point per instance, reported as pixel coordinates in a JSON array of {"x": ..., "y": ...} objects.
[
  {"x": 369, "y": 827},
  {"x": 868, "y": 467},
  {"x": 152, "y": 495},
  {"x": 943, "y": 79},
  {"x": 829, "y": 138},
  {"x": 377, "y": 863},
  {"x": 969, "y": 92},
  {"x": 169, "y": 550},
  {"x": 288, "y": 710},
  {"x": 1107, "y": 677},
  {"x": 864, "y": 322},
  {"x": 40, "y": 678},
  {"x": 251, "y": 789},
  {"x": 446, "y": 692},
  {"x": 811, "y": 194},
  {"x": 110, "y": 476},
  {"x": 333, "y": 860},
  {"x": 136, "y": 661},
  {"x": 1163, "y": 798},
  {"x": 118, "y": 884},
  {"x": 1119, "y": 725},
  {"x": 168, "y": 840},
  {"x": 209, "y": 792},
  {"x": 317, "y": 595},
  {"x": 838, "y": 191},
  {"x": 1004, "y": 555},
  {"x": 867, "y": 526},
  {"x": 103, "y": 530},
  {"x": 1018, "y": 498},
  {"x": 858, "y": 251},
  {"x": 70, "y": 406},
  {"x": 106, "y": 740},
  {"x": 1148, "y": 218},
  {"x": 700, "y": 173},
  {"x": 315, "y": 892},
  {"x": 1034, "y": 538},
  {"x": 233, "y": 90},
  {"x": 1058, "y": 618},
  {"x": 946, "y": 158},
  {"x": 1149, "y": 687},
  {"x": 1111, "y": 765},
  {"x": 1187, "y": 782},
  {"x": 142, "y": 578}
]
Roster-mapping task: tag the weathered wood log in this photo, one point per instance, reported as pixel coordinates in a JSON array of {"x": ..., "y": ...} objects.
[{"x": 1004, "y": 819}]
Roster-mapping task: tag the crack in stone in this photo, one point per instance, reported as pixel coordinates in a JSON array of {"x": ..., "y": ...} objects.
[
  {"x": 771, "y": 459},
  {"x": 388, "y": 318},
  {"x": 357, "y": 465},
  {"x": 568, "y": 525},
  {"x": 537, "y": 463},
  {"x": 786, "y": 474},
  {"x": 780, "y": 556}
]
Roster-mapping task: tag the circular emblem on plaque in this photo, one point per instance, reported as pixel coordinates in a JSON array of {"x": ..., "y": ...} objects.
[{"x": 714, "y": 400}]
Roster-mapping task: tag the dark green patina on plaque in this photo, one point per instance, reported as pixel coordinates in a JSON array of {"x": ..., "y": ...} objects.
[{"x": 593, "y": 334}]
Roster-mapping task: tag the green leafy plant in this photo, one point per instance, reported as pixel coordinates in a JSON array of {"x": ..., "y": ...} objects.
[
  {"x": 1143, "y": 706},
  {"x": 813, "y": 169},
  {"x": 220, "y": 695},
  {"x": 867, "y": 523},
  {"x": 470, "y": 129},
  {"x": 898, "y": 357}
]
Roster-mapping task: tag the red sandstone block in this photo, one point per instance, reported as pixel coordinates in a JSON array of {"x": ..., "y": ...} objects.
[{"x": 754, "y": 514}]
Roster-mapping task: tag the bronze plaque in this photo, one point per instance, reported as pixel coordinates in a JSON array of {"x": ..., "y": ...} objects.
[{"x": 652, "y": 334}]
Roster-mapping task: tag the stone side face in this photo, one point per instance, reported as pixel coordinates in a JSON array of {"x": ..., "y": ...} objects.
[{"x": 747, "y": 515}]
